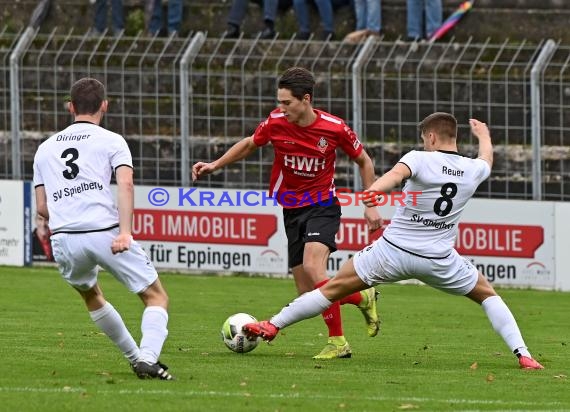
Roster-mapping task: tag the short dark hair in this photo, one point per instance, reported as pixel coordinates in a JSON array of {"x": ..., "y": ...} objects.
[
  {"x": 86, "y": 95},
  {"x": 299, "y": 81},
  {"x": 444, "y": 124}
]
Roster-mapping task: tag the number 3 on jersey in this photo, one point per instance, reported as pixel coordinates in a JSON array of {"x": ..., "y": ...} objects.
[
  {"x": 448, "y": 192},
  {"x": 70, "y": 155}
]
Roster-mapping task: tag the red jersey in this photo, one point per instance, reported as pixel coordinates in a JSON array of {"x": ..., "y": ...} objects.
[{"x": 304, "y": 164}]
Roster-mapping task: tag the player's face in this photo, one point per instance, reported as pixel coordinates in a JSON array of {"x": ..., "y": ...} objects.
[{"x": 295, "y": 110}]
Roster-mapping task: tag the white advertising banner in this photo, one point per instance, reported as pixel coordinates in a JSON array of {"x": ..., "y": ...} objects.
[
  {"x": 210, "y": 229},
  {"x": 15, "y": 223}
]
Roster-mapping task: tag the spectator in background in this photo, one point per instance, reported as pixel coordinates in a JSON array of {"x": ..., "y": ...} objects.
[
  {"x": 41, "y": 246},
  {"x": 368, "y": 20},
  {"x": 239, "y": 10},
  {"x": 100, "y": 20},
  {"x": 417, "y": 10},
  {"x": 154, "y": 13},
  {"x": 325, "y": 9}
]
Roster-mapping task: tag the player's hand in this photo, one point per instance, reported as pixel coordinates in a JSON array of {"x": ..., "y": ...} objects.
[
  {"x": 479, "y": 129},
  {"x": 200, "y": 169},
  {"x": 370, "y": 198},
  {"x": 121, "y": 243},
  {"x": 373, "y": 219}
]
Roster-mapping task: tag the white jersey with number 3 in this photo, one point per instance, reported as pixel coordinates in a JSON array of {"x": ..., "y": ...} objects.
[
  {"x": 444, "y": 182},
  {"x": 75, "y": 166}
]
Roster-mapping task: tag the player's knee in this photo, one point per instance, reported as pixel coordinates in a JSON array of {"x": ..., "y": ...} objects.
[
  {"x": 155, "y": 295},
  {"x": 156, "y": 300},
  {"x": 161, "y": 300},
  {"x": 314, "y": 272}
]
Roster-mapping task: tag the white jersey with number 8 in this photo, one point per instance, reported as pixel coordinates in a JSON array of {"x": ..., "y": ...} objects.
[{"x": 445, "y": 181}]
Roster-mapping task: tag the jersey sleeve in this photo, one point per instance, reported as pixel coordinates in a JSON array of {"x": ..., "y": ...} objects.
[
  {"x": 120, "y": 154},
  {"x": 38, "y": 179},
  {"x": 261, "y": 136},
  {"x": 483, "y": 170},
  {"x": 349, "y": 142},
  {"x": 411, "y": 159}
]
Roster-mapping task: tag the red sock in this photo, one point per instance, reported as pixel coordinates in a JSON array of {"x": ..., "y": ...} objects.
[
  {"x": 353, "y": 299},
  {"x": 331, "y": 316}
]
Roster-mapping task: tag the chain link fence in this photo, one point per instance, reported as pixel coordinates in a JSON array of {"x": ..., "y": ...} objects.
[{"x": 182, "y": 100}]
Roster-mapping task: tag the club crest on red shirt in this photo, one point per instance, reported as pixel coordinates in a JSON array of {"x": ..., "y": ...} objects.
[{"x": 322, "y": 144}]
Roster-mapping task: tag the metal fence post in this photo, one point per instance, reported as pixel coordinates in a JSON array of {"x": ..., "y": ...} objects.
[
  {"x": 189, "y": 55},
  {"x": 535, "y": 108},
  {"x": 357, "y": 99},
  {"x": 15, "y": 58}
]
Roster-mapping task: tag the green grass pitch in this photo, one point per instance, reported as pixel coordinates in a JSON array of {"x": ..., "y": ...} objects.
[{"x": 435, "y": 351}]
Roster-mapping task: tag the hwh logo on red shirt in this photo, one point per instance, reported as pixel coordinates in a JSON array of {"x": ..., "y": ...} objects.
[{"x": 307, "y": 164}]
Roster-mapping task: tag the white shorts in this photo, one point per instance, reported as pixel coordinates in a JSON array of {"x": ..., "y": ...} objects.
[
  {"x": 79, "y": 255},
  {"x": 382, "y": 262}
]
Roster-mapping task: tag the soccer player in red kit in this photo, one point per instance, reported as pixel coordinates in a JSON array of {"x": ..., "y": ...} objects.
[{"x": 305, "y": 140}]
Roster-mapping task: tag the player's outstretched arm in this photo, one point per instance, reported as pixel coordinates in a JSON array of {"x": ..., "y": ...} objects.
[
  {"x": 387, "y": 182},
  {"x": 481, "y": 132},
  {"x": 125, "y": 205},
  {"x": 238, "y": 151}
]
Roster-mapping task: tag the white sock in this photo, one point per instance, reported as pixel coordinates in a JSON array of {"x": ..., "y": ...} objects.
[
  {"x": 154, "y": 332},
  {"x": 305, "y": 306},
  {"x": 109, "y": 321},
  {"x": 505, "y": 324}
]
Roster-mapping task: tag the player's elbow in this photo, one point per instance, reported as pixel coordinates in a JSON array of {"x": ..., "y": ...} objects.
[
  {"x": 250, "y": 147},
  {"x": 126, "y": 184}
]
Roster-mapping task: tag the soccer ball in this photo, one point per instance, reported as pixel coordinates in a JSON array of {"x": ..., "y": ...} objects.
[{"x": 234, "y": 338}]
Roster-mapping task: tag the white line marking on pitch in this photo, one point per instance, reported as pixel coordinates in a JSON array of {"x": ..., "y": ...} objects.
[{"x": 245, "y": 394}]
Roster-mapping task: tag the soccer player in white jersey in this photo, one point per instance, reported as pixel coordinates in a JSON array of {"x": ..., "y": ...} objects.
[
  {"x": 418, "y": 242},
  {"x": 72, "y": 175}
]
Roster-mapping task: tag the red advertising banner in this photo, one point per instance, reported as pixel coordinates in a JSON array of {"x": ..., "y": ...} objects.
[
  {"x": 353, "y": 234},
  {"x": 473, "y": 239},
  {"x": 484, "y": 239},
  {"x": 204, "y": 227}
]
